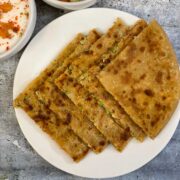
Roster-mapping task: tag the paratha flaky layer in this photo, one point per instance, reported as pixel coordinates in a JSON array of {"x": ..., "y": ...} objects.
[
  {"x": 145, "y": 79},
  {"x": 118, "y": 136},
  {"x": 59, "y": 130},
  {"x": 89, "y": 81},
  {"x": 62, "y": 106}
]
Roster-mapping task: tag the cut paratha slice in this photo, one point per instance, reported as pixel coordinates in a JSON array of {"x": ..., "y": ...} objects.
[
  {"x": 145, "y": 80},
  {"x": 108, "y": 41},
  {"x": 58, "y": 129},
  {"x": 89, "y": 106},
  {"x": 44, "y": 117},
  {"x": 89, "y": 81},
  {"x": 82, "y": 47},
  {"x": 112, "y": 107},
  {"x": 127, "y": 36},
  {"x": 62, "y": 106},
  {"x": 67, "y": 51},
  {"x": 44, "y": 75}
]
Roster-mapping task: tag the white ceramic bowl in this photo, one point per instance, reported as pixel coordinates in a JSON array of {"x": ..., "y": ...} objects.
[
  {"x": 70, "y": 5},
  {"x": 27, "y": 34}
]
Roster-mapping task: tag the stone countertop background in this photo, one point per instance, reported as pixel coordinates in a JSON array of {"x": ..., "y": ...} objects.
[{"x": 18, "y": 161}]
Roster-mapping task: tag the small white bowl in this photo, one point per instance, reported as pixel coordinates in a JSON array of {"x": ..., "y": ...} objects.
[
  {"x": 70, "y": 5},
  {"x": 27, "y": 34}
]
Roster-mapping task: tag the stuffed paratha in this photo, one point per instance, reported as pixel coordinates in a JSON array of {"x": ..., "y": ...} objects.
[
  {"x": 89, "y": 80},
  {"x": 62, "y": 106},
  {"x": 145, "y": 79},
  {"x": 93, "y": 56},
  {"x": 89, "y": 106},
  {"x": 58, "y": 129}
]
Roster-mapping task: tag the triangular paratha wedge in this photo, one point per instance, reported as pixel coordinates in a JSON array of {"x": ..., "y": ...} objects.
[
  {"x": 58, "y": 129},
  {"x": 86, "y": 66},
  {"x": 48, "y": 94},
  {"x": 67, "y": 51},
  {"x": 62, "y": 106},
  {"x": 145, "y": 80},
  {"x": 108, "y": 42},
  {"x": 89, "y": 81},
  {"x": 89, "y": 106}
]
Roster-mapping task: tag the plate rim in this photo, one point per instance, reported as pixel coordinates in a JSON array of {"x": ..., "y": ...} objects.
[{"x": 45, "y": 158}]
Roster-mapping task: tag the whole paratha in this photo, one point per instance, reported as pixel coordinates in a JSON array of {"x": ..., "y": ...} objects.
[{"x": 145, "y": 79}]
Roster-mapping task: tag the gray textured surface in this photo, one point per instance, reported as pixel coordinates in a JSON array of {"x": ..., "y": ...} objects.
[{"x": 19, "y": 161}]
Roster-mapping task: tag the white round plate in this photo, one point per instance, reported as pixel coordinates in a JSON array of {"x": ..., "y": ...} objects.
[{"x": 39, "y": 53}]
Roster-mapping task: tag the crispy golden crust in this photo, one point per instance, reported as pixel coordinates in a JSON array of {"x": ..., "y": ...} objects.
[
  {"x": 53, "y": 126},
  {"x": 62, "y": 106},
  {"x": 112, "y": 107},
  {"x": 90, "y": 81},
  {"x": 82, "y": 63},
  {"x": 102, "y": 45},
  {"x": 54, "y": 64},
  {"x": 48, "y": 95},
  {"x": 65, "y": 109},
  {"x": 88, "y": 105},
  {"x": 82, "y": 47},
  {"x": 59, "y": 130},
  {"x": 87, "y": 66},
  {"x": 145, "y": 79},
  {"x": 39, "y": 80}
]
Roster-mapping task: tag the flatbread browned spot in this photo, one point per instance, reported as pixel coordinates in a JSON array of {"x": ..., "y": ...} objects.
[
  {"x": 60, "y": 131},
  {"x": 54, "y": 127},
  {"x": 49, "y": 95},
  {"x": 63, "y": 107},
  {"x": 154, "y": 81},
  {"x": 88, "y": 79},
  {"x": 88, "y": 105},
  {"x": 103, "y": 44}
]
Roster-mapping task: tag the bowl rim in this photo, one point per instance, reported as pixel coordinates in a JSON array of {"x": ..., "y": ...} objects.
[
  {"x": 82, "y": 2},
  {"x": 26, "y": 35}
]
